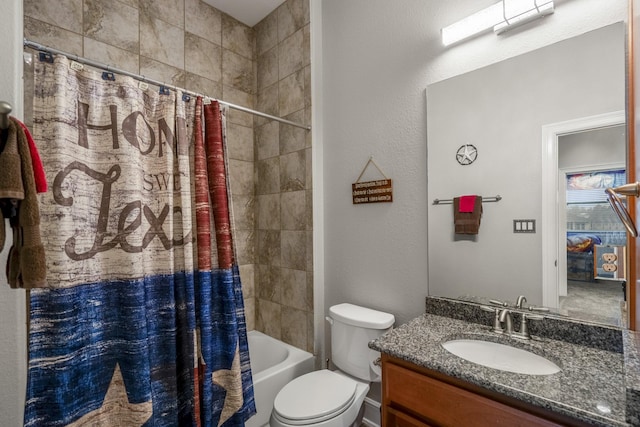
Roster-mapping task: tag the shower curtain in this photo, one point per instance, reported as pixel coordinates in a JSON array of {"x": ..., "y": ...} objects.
[{"x": 142, "y": 321}]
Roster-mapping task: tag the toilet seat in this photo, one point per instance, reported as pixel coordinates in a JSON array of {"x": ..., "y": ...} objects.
[{"x": 314, "y": 397}]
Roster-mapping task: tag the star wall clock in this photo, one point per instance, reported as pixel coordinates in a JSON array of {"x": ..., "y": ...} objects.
[{"x": 467, "y": 154}]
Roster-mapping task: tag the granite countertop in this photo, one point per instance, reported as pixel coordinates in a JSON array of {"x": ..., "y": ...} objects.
[{"x": 596, "y": 384}]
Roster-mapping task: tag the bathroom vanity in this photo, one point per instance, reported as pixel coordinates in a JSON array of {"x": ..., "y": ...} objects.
[
  {"x": 425, "y": 385},
  {"x": 416, "y": 396}
]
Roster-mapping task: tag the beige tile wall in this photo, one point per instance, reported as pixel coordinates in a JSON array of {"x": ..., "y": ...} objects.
[
  {"x": 284, "y": 290},
  {"x": 189, "y": 44}
]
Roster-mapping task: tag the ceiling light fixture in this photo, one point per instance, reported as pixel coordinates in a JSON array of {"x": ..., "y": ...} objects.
[{"x": 500, "y": 16}]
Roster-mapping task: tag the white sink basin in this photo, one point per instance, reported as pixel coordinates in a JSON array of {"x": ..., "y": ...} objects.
[{"x": 500, "y": 356}]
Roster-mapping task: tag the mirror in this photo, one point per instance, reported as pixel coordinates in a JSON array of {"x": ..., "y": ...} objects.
[{"x": 501, "y": 110}]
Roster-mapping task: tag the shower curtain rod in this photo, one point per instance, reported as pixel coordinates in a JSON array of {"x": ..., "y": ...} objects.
[{"x": 103, "y": 66}]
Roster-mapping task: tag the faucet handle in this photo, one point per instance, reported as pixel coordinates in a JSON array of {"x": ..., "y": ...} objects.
[
  {"x": 527, "y": 316},
  {"x": 534, "y": 308},
  {"x": 497, "y": 327},
  {"x": 500, "y": 303},
  {"x": 524, "y": 328}
]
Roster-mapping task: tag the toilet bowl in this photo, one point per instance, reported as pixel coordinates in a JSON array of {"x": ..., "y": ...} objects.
[
  {"x": 320, "y": 399},
  {"x": 327, "y": 398}
]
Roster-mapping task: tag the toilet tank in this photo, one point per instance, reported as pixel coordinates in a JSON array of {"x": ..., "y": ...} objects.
[{"x": 352, "y": 327}]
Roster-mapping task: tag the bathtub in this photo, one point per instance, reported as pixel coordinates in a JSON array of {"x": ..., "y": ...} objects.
[{"x": 273, "y": 364}]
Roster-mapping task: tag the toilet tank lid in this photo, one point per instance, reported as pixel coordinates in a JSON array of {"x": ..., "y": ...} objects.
[{"x": 361, "y": 316}]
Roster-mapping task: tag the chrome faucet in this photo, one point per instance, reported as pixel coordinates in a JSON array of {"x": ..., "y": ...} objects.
[
  {"x": 506, "y": 321},
  {"x": 522, "y": 299},
  {"x": 503, "y": 319}
]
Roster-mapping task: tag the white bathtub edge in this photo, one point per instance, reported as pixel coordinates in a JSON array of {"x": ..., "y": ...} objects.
[
  {"x": 296, "y": 355},
  {"x": 268, "y": 382}
]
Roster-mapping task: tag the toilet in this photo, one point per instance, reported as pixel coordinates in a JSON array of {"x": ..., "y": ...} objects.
[{"x": 327, "y": 398}]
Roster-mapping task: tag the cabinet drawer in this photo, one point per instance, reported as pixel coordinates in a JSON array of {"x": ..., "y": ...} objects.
[
  {"x": 442, "y": 404},
  {"x": 400, "y": 419}
]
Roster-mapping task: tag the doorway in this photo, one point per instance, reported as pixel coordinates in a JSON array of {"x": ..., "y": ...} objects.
[
  {"x": 592, "y": 278},
  {"x": 585, "y": 146}
]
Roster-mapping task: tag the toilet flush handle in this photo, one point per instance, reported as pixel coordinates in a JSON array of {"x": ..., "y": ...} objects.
[{"x": 329, "y": 319}]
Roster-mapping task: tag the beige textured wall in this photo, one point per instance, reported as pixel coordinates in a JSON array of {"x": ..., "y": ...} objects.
[
  {"x": 190, "y": 44},
  {"x": 284, "y": 276}
]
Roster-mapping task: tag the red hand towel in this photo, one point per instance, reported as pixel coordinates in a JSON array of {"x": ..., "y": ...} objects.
[
  {"x": 467, "y": 203},
  {"x": 38, "y": 169}
]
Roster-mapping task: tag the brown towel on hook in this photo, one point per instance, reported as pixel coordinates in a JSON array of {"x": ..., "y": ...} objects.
[
  {"x": 26, "y": 266},
  {"x": 467, "y": 222}
]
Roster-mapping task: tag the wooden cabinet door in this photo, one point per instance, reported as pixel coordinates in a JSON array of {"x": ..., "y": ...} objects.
[{"x": 413, "y": 399}]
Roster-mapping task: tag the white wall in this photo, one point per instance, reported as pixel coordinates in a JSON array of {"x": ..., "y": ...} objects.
[
  {"x": 378, "y": 58},
  {"x": 586, "y": 149},
  {"x": 13, "y": 357},
  {"x": 374, "y": 63}
]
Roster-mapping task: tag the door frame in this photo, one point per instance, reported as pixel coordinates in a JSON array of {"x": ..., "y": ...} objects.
[{"x": 550, "y": 181}]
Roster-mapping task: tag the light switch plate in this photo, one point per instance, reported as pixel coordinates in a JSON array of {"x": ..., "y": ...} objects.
[{"x": 524, "y": 225}]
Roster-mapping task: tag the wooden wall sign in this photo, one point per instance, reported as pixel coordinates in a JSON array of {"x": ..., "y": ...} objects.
[{"x": 379, "y": 191}]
